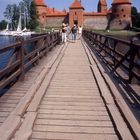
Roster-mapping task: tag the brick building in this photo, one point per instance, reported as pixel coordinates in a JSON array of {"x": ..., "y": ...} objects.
[{"x": 117, "y": 17}]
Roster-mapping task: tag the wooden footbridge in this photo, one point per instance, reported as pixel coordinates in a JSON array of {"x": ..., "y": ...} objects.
[{"x": 87, "y": 90}]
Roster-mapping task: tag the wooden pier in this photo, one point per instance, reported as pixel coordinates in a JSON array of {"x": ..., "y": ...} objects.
[{"x": 68, "y": 95}]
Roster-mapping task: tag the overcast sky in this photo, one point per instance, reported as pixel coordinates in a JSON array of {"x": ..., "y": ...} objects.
[{"x": 90, "y": 5}]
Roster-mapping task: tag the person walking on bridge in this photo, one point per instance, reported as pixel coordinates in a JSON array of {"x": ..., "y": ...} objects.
[
  {"x": 64, "y": 35},
  {"x": 80, "y": 32},
  {"x": 74, "y": 32}
]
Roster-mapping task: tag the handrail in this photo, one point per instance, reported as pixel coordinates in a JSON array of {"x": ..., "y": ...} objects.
[
  {"x": 22, "y": 58},
  {"x": 123, "y": 56}
]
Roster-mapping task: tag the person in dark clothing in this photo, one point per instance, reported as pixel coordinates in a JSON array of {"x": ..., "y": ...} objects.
[{"x": 74, "y": 32}]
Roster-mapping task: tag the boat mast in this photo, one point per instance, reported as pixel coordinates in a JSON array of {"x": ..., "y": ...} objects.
[{"x": 19, "y": 23}]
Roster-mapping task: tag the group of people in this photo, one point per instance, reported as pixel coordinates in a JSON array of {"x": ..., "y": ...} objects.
[{"x": 75, "y": 31}]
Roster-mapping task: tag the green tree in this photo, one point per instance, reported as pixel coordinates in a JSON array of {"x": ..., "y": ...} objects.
[
  {"x": 12, "y": 14},
  {"x": 33, "y": 23},
  {"x": 25, "y": 9},
  {"x": 3, "y": 25},
  {"x": 28, "y": 12},
  {"x": 135, "y": 17},
  {"x": 8, "y": 12}
]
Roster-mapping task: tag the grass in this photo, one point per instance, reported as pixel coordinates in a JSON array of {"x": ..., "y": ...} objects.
[
  {"x": 117, "y": 32},
  {"x": 46, "y": 29}
]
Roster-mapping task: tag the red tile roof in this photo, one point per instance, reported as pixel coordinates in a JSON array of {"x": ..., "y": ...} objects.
[
  {"x": 121, "y": 1},
  {"x": 39, "y": 2},
  {"x": 76, "y": 4},
  {"x": 53, "y": 11}
]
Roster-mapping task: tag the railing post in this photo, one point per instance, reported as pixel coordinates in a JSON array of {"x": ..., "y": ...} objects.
[
  {"x": 46, "y": 45},
  {"x": 131, "y": 63},
  {"x": 58, "y": 38},
  {"x": 114, "y": 54},
  {"x": 21, "y": 56}
]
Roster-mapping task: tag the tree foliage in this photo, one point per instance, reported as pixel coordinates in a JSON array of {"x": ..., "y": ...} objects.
[
  {"x": 33, "y": 16},
  {"x": 135, "y": 17},
  {"x": 28, "y": 12},
  {"x": 3, "y": 25},
  {"x": 12, "y": 14}
]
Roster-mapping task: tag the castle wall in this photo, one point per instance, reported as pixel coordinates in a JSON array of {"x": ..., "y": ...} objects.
[
  {"x": 56, "y": 21},
  {"x": 96, "y": 22},
  {"x": 121, "y": 16},
  {"x": 76, "y": 15},
  {"x": 118, "y": 18}
]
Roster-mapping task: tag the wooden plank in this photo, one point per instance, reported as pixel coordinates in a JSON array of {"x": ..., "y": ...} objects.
[
  {"x": 4, "y": 114},
  {"x": 9, "y": 101},
  {"x": 86, "y": 97},
  {"x": 72, "y": 103},
  {"x": 9, "y": 127},
  {"x": 73, "y": 117},
  {"x": 2, "y": 119},
  {"x": 6, "y": 109},
  {"x": 40, "y": 93},
  {"x": 78, "y": 108},
  {"x": 5, "y": 105},
  {"x": 125, "y": 134},
  {"x": 111, "y": 105},
  {"x": 74, "y": 112},
  {"x": 74, "y": 123},
  {"x": 4, "y": 98},
  {"x": 74, "y": 129},
  {"x": 73, "y": 100},
  {"x": 25, "y": 131},
  {"x": 23, "y": 105},
  {"x": 73, "y": 136},
  {"x": 86, "y": 91}
]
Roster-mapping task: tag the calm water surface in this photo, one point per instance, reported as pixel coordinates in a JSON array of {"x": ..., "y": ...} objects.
[
  {"x": 5, "y": 41},
  {"x": 4, "y": 57}
]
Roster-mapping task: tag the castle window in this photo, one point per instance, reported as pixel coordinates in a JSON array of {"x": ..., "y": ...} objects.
[
  {"x": 122, "y": 10},
  {"x": 124, "y": 15},
  {"x": 75, "y": 13}
]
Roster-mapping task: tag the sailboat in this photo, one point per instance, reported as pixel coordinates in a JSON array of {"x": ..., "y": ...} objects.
[
  {"x": 25, "y": 31},
  {"x": 19, "y": 27}
]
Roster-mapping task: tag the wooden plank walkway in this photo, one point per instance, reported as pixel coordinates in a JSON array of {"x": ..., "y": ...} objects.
[
  {"x": 12, "y": 98},
  {"x": 71, "y": 103},
  {"x": 72, "y": 107}
]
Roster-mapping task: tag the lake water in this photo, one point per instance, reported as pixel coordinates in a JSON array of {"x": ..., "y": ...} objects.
[
  {"x": 4, "y": 57},
  {"x": 5, "y": 41}
]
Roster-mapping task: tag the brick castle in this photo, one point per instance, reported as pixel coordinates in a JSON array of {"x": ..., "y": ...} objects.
[{"x": 117, "y": 17}]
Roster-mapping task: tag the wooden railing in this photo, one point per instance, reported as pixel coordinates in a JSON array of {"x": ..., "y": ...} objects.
[
  {"x": 21, "y": 56},
  {"x": 121, "y": 56}
]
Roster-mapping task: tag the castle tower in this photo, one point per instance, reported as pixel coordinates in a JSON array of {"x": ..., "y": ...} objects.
[
  {"x": 76, "y": 14},
  {"x": 41, "y": 10},
  {"x": 102, "y": 6},
  {"x": 121, "y": 14}
]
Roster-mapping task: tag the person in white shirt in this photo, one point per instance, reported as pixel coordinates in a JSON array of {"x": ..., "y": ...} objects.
[
  {"x": 64, "y": 35},
  {"x": 80, "y": 32}
]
